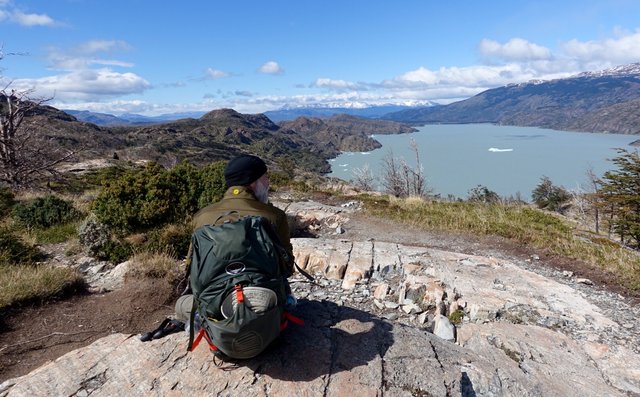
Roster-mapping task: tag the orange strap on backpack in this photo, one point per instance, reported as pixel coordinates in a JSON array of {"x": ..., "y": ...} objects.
[
  {"x": 286, "y": 317},
  {"x": 239, "y": 294},
  {"x": 202, "y": 334}
]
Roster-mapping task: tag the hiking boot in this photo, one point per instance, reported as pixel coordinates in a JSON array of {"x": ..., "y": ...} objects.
[
  {"x": 171, "y": 327},
  {"x": 146, "y": 337},
  {"x": 168, "y": 326}
]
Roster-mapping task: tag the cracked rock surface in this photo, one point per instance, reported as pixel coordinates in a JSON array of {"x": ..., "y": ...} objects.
[{"x": 371, "y": 329}]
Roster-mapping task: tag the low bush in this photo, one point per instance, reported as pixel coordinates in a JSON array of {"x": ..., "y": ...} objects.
[
  {"x": 44, "y": 212},
  {"x": 93, "y": 234},
  {"x": 482, "y": 194},
  {"x": 7, "y": 200},
  {"x": 149, "y": 198},
  {"x": 14, "y": 251},
  {"x": 115, "y": 251},
  {"x": 172, "y": 239}
]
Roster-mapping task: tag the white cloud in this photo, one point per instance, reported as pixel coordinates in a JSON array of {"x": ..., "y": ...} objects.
[
  {"x": 215, "y": 74},
  {"x": 334, "y": 84},
  {"x": 470, "y": 77},
  {"x": 84, "y": 55},
  {"x": 86, "y": 85},
  {"x": 95, "y": 46},
  {"x": 110, "y": 62},
  {"x": 112, "y": 107},
  {"x": 32, "y": 19},
  {"x": 271, "y": 67},
  {"x": 516, "y": 49},
  {"x": 625, "y": 48}
]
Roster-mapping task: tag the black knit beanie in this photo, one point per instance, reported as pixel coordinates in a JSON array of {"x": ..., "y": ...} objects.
[{"x": 244, "y": 170}]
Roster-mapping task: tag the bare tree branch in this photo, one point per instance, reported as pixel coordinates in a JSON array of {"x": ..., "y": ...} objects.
[{"x": 26, "y": 156}]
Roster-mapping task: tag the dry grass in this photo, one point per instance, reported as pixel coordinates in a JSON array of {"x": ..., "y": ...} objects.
[
  {"x": 33, "y": 283},
  {"x": 156, "y": 265},
  {"x": 521, "y": 223}
]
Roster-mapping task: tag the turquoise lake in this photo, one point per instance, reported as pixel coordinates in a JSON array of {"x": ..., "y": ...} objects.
[{"x": 507, "y": 160}]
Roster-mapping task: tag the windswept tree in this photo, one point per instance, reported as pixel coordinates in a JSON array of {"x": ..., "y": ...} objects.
[
  {"x": 619, "y": 197},
  {"x": 548, "y": 196},
  {"x": 26, "y": 157},
  {"x": 482, "y": 194}
]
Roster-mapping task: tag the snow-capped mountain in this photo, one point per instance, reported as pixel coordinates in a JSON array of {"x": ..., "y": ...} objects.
[{"x": 601, "y": 101}]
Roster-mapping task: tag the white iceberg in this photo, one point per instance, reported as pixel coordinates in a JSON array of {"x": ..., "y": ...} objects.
[{"x": 495, "y": 149}]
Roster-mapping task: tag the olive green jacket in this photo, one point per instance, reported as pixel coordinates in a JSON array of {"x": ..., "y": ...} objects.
[{"x": 242, "y": 200}]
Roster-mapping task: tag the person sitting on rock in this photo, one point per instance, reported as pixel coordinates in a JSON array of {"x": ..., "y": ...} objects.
[{"x": 247, "y": 194}]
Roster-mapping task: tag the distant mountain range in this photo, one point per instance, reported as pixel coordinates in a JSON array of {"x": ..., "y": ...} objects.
[
  {"x": 105, "y": 119},
  {"x": 372, "y": 112},
  {"x": 285, "y": 114},
  {"x": 603, "y": 101}
]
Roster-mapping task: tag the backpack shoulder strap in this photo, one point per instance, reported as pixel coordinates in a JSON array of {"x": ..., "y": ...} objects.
[{"x": 282, "y": 251}]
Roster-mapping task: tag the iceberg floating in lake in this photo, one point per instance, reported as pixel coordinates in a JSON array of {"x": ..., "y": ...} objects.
[
  {"x": 495, "y": 149},
  {"x": 364, "y": 153},
  {"x": 344, "y": 165}
]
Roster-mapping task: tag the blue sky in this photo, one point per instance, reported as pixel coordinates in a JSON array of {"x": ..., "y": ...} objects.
[{"x": 154, "y": 57}]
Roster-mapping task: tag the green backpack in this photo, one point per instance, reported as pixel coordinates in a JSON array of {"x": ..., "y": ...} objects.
[{"x": 238, "y": 275}]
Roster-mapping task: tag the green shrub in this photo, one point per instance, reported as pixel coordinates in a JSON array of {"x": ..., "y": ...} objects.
[
  {"x": 14, "y": 251},
  {"x": 213, "y": 184},
  {"x": 97, "y": 239},
  {"x": 279, "y": 179},
  {"x": 44, "y": 212},
  {"x": 7, "y": 200},
  {"x": 152, "y": 197},
  {"x": 456, "y": 317},
  {"x": 115, "y": 251},
  {"x": 137, "y": 200}
]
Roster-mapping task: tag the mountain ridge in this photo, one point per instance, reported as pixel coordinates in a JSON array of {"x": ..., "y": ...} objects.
[
  {"x": 587, "y": 102},
  {"x": 217, "y": 135}
]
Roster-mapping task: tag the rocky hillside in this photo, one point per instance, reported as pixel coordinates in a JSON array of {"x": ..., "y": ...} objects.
[
  {"x": 606, "y": 101},
  {"x": 217, "y": 135},
  {"x": 345, "y": 133},
  {"x": 65, "y": 130},
  {"x": 221, "y": 134},
  {"x": 378, "y": 322}
]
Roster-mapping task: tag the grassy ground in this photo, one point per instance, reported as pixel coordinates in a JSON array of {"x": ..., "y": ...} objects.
[
  {"x": 521, "y": 223},
  {"x": 33, "y": 283}
]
